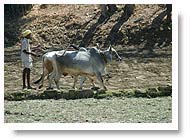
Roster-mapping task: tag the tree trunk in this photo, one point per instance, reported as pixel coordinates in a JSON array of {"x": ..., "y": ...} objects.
[
  {"x": 128, "y": 10},
  {"x": 169, "y": 10}
]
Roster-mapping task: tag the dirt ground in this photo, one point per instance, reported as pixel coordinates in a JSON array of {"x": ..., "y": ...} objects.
[
  {"x": 56, "y": 27},
  {"x": 129, "y": 74}
]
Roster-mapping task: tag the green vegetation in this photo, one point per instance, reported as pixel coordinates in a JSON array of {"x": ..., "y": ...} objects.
[{"x": 78, "y": 94}]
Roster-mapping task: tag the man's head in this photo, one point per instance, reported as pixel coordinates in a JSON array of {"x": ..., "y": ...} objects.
[{"x": 27, "y": 34}]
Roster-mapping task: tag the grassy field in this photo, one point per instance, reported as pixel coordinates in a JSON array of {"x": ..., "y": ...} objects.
[{"x": 110, "y": 110}]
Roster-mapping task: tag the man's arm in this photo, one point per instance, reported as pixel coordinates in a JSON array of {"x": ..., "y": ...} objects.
[{"x": 30, "y": 53}]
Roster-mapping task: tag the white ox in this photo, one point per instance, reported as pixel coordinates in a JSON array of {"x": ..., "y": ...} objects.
[
  {"x": 47, "y": 59},
  {"x": 47, "y": 64},
  {"x": 87, "y": 63}
]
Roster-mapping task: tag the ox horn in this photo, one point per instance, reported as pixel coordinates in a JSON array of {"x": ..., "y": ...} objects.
[{"x": 110, "y": 47}]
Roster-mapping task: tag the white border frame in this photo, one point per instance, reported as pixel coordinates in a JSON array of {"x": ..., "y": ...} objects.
[{"x": 102, "y": 126}]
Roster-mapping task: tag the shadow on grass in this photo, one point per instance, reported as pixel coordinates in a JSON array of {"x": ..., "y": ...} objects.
[{"x": 80, "y": 94}]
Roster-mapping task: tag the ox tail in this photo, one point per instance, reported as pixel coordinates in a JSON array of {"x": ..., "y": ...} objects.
[{"x": 38, "y": 81}]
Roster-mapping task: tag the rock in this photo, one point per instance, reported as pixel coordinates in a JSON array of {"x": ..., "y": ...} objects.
[
  {"x": 78, "y": 94},
  {"x": 51, "y": 94},
  {"x": 140, "y": 93},
  {"x": 166, "y": 91}
]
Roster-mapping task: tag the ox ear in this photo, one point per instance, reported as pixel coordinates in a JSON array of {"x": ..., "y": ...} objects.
[{"x": 98, "y": 46}]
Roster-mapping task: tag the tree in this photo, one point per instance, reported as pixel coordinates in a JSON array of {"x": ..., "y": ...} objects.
[
  {"x": 107, "y": 9},
  {"x": 169, "y": 10},
  {"x": 16, "y": 10}
]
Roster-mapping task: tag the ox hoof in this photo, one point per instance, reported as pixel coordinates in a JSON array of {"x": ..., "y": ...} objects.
[
  {"x": 40, "y": 86},
  {"x": 49, "y": 88},
  {"x": 95, "y": 88},
  {"x": 74, "y": 88},
  {"x": 80, "y": 88},
  {"x": 105, "y": 89}
]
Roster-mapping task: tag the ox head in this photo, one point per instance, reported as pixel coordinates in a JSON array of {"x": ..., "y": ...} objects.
[{"x": 111, "y": 53}]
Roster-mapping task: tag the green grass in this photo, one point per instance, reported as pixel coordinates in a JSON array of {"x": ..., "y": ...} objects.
[{"x": 78, "y": 94}]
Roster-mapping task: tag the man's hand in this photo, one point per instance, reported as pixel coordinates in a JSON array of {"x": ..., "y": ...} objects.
[
  {"x": 33, "y": 54},
  {"x": 30, "y": 53}
]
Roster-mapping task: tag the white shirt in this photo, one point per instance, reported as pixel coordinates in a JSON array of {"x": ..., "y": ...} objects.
[{"x": 25, "y": 46}]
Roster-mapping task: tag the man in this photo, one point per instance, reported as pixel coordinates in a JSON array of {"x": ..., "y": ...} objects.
[{"x": 26, "y": 57}]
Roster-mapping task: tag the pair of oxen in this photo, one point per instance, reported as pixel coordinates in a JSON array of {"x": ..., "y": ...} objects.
[{"x": 85, "y": 62}]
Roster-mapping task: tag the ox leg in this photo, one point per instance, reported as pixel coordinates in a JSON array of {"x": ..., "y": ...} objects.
[
  {"x": 94, "y": 87},
  {"x": 75, "y": 80},
  {"x": 100, "y": 79},
  {"x": 56, "y": 79},
  {"x": 93, "y": 84},
  {"x": 82, "y": 80},
  {"x": 43, "y": 76},
  {"x": 50, "y": 79}
]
